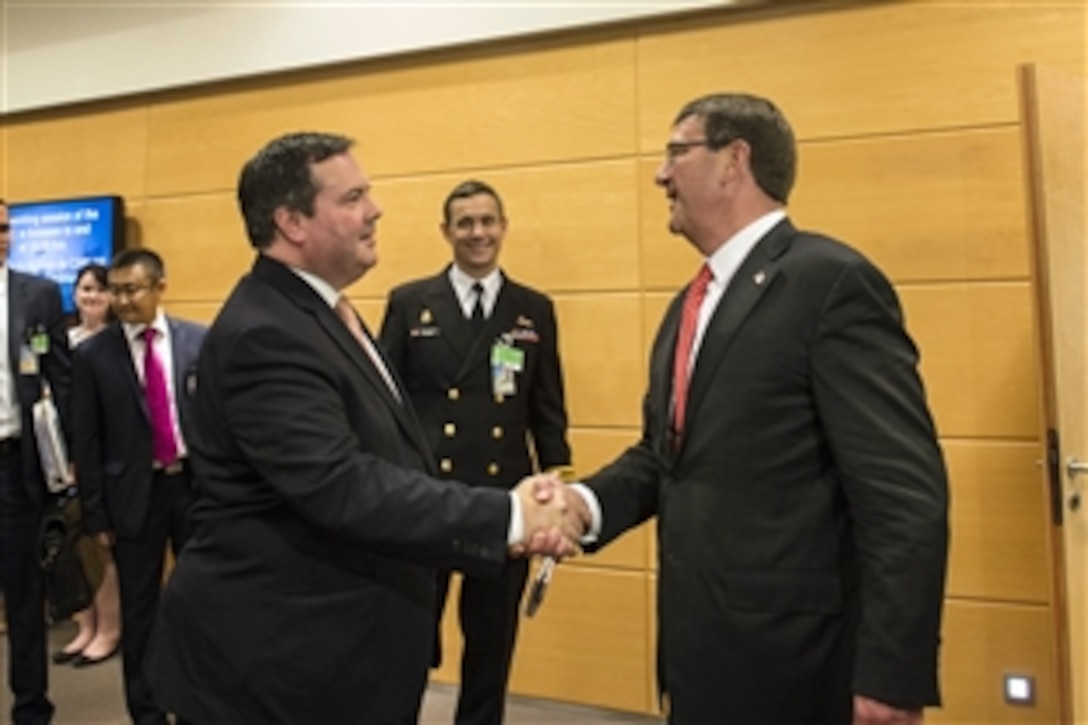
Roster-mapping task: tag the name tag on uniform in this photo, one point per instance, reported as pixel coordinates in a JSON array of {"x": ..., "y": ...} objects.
[{"x": 506, "y": 360}]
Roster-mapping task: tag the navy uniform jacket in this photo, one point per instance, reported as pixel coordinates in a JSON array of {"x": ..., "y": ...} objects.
[{"x": 477, "y": 436}]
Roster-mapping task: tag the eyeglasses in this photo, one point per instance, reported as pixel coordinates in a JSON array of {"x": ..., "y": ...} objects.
[
  {"x": 676, "y": 149},
  {"x": 5, "y": 228},
  {"x": 128, "y": 290}
]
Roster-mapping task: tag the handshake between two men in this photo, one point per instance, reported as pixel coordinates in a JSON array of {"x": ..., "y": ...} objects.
[{"x": 554, "y": 517}]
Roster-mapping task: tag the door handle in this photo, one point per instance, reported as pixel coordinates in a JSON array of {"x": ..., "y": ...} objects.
[{"x": 1072, "y": 468}]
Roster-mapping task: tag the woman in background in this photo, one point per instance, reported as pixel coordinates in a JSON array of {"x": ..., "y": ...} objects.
[{"x": 99, "y": 633}]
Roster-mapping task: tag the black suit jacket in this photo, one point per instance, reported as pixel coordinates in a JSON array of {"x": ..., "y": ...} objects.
[
  {"x": 802, "y": 524},
  {"x": 113, "y": 428},
  {"x": 306, "y": 593},
  {"x": 34, "y": 306},
  {"x": 476, "y": 436}
]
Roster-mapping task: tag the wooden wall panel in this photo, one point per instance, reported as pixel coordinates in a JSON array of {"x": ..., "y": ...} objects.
[
  {"x": 946, "y": 206},
  {"x": 572, "y": 227},
  {"x": 98, "y": 152},
  {"x": 203, "y": 312},
  {"x": 592, "y": 450},
  {"x": 601, "y": 347},
  {"x": 588, "y": 643},
  {"x": 1000, "y": 548},
  {"x": 982, "y": 642},
  {"x": 943, "y": 206},
  {"x": 545, "y": 102},
  {"x": 668, "y": 261},
  {"x": 3, "y": 161},
  {"x": 862, "y": 69},
  {"x": 978, "y": 359},
  {"x": 202, "y": 240}
]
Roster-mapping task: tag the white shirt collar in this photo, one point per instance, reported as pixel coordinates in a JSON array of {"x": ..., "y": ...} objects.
[
  {"x": 135, "y": 329},
  {"x": 463, "y": 282},
  {"x": 728, "y": 258},
  {"x": 326, "y": 291}
]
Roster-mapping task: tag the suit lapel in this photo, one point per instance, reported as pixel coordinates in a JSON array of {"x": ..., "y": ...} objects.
[
  {"x": 126, "y": 368},
  {"x": 445, "y": 309},
  {"x": 661, "y": 370},
  {"x": 306, "y": 298},
  {"x": 755, "y": 276},
  {"x": 501, "y": 319},
  {"x": 16, "y": 320}
]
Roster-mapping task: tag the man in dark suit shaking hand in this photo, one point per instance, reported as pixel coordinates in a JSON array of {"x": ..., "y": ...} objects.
[
  {"x": 130, "y": 404},
  {"x": 307, "y": 592},
  {"x": 787, "y": 452}
]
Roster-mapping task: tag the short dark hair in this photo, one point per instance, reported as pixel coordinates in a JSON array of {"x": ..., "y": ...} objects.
[
  {"x": 97, "y": 271},
  {"x": 146, "y": 258},
  {"x": 464, "y": 190},
  {"x": 731, "y": 116},
  {"x": 280, "y": 175}
]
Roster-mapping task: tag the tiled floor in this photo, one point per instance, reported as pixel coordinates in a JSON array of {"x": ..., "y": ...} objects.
[{"x": 92, "y": 696}]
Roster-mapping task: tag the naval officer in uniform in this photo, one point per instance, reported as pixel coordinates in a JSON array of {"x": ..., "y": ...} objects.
[{"x": 478, "y": 356}]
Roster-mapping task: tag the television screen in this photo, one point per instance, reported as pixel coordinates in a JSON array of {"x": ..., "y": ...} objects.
[{"x": 53, "y": 239}]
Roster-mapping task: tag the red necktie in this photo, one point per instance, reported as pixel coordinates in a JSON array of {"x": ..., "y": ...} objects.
[
  {"x": 164, "y": 446},
  {"x": 689, "y": 321}
]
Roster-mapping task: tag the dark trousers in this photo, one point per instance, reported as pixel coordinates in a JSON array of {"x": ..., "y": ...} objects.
[
  {"x": 489, "y": 615},
  {"x": 139, "y": 572},
  {"x": 24, "y": 590}
]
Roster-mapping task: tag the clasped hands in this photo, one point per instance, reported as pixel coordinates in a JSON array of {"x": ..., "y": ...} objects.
[{"x": 554, "y": 517}]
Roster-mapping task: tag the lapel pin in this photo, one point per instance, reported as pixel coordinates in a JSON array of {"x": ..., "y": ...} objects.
[
  {"x": 759, "y": 277},
  {"x": 524, "y": 321},
  {"x": 425, "y": 316}
]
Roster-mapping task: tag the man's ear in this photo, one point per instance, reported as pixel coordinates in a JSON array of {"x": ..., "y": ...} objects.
[{"x": 289, "y": 222}]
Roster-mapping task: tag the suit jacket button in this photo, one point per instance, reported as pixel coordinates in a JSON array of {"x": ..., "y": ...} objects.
[
  {"x": 453, "y": 393},
  {"x": 496, "y": 432},
  {"x": 493, "y": 469},
  {"x": 446, "y": 465},
  {"x": 449, "y": 429}
]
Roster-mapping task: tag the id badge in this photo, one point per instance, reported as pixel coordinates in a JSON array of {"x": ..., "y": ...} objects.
[
  {"x": 39, "y": 341},
  {"x": 28, "y": 360},
  {"x": 506, "y": 360}
]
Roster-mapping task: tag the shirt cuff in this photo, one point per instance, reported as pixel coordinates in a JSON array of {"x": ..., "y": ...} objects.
[
  {"x": 516, "y": 531},
  {"x": 587, "y": 494}
]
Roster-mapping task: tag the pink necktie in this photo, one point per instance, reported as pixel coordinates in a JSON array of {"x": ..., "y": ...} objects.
[
  {"x": 346, "y": 313},
  {"x": 689, "y": 321},
  {"x": 164, "y": 446}
]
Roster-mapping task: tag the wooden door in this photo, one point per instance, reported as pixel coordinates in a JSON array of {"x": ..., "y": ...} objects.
[{"x": 1053, "y": 107}]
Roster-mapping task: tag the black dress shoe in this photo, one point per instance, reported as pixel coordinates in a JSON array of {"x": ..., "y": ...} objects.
[
  {"x": 60, "y": 657},
  {"x": 84, "y": 661}
]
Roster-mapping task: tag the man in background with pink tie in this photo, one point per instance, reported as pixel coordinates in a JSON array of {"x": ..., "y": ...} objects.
[
  {"x": 131, "y": 385},
  {"x": 787, "y": 453}
]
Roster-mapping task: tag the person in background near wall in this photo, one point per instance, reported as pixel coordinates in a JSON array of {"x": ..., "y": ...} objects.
[
  {"x": 787, "y": 452},
  {"x": 131, "y": 387},
  {"x": 99, "y": 625},
  {"x": 479, "y": 358},
  {"x": 35, "y": 345}
]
